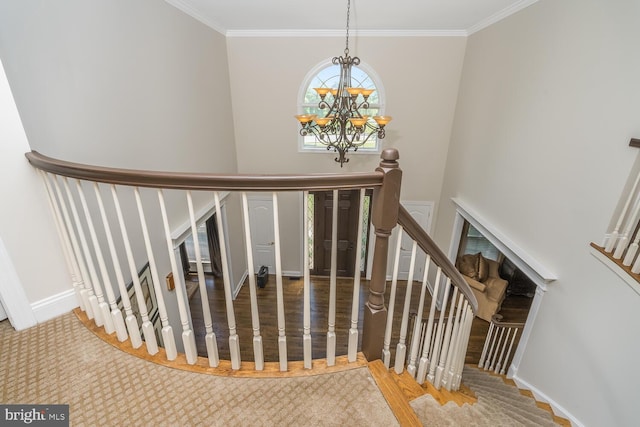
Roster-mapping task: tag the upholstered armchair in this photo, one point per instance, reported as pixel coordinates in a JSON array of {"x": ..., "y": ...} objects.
[{"x": 484, "y": 279}]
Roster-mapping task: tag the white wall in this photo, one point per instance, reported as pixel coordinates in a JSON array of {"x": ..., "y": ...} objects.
[
  {"x": 27, "y": 230},
  {"x": 420, "y": 77},
  {"x": 548, "y": 102},
  {"x": 122, "y": 84},
  {"x": 119, "y": 83}
]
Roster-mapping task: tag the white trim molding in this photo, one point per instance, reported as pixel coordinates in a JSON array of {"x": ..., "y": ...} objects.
[
  {"x": 14, "y": 299},
  {"x": 499, "y": 16},
  {"x": 180, "y": 233},
  {"x": 530, "y": 266},
  {"x": 340, "y": 33},
  {"x": 187, "y": 7},
  {"x": 55, "y": 305},
  {"x": 527, "y": 264},
  {"x": 541, "y": 397}
]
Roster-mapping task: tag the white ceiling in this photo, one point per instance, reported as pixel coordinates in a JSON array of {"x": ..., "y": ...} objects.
[{"x": 409, "y": 17}]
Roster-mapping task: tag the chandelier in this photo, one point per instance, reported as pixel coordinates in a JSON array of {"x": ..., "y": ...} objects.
[{"x": 343, "y": 127}]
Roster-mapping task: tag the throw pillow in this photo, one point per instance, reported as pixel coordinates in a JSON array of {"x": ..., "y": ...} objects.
[
  {"x": 483, "y": 268},
  {"x": 469, "y": 266}
]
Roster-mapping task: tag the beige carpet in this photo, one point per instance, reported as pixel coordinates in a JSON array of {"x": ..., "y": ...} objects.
[
  {"x": 499, "y": 405},
  {"x": 60, "y": 361}
]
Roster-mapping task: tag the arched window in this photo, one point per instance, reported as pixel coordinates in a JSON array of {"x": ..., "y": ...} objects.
[{"x": 326, "y": 74}]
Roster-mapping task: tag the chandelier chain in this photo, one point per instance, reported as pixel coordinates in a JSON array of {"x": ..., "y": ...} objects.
[
  {"x": 343, "y": 127},
  {"x": 346, "y": 49}
]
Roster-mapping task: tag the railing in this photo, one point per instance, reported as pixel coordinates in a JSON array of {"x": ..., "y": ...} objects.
[
  {"x": 98, "y": 233},
  {"x": 499, "y": 344},
  {"x": 622, "y": 240},
  {"x": 437, "y": 349}
]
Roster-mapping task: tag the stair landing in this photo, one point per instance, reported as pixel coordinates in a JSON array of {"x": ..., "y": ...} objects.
[{"x": 412, "y": 403}]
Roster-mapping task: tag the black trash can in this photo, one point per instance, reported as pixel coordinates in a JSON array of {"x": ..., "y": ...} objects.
[{"x": 263, "y": 276}]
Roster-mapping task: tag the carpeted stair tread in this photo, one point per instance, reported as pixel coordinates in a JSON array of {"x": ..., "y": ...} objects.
[
  {"x": 499, "y": 404},
  {"x": 60, "y": 361}
]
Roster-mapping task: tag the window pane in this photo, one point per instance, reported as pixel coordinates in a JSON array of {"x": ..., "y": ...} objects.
[
  {"x": 204, "y": 249},
  {"x": 330, "y": 77},
  {"x": 476, "y": 242}
]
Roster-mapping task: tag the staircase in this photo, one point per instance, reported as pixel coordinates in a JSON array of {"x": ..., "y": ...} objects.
[{"x": 485, "y": 399}]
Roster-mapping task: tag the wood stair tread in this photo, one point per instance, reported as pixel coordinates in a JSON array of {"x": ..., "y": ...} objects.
[{"x": 393, "y": 394}]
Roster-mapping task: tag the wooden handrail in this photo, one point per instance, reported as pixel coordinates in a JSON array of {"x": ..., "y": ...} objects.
[
  {"x": 205, "y": 181},
  {"x": 417, "y": 233},
  {"x": 496, "y": 319}
]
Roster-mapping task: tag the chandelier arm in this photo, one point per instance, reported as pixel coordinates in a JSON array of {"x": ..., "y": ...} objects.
[
  {"x": 363, "y": 105},
  {"x": 343, "y": 127}
]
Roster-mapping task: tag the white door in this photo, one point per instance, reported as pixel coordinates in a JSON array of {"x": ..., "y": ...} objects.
[
  {"x": 3, "y": 314},
  {"x": 262, "y": 234},
  {"x": 422, "y": 213}
]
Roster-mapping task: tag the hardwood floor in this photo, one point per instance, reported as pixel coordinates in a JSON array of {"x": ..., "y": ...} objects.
[{"x": 514, "y": 307}]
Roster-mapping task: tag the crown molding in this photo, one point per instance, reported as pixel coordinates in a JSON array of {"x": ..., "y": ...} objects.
[
  {"x": 504, "y": 13},
  {"x": 340, "y": 33},
  {"x": 196, "y": 14}
]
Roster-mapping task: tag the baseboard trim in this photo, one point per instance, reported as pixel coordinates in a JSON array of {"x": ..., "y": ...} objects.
[
  {"x": 542, "y": 397},
  {"x": 239, "y": 284},
  {"x": 54, "y": 306}
]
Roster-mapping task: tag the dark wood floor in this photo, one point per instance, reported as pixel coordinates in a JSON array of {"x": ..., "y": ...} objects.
[{"x": 515, "y": 308}]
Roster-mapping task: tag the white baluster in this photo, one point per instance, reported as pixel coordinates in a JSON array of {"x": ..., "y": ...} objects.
[
  {"x": 116, "y": 314},
  {"x": 462, "y": 349},
  {"x": 636, "y": 266},
  {"x": 506, "y": 359},
  {"x": 93, "y": 300},
  {"x": 355, "y": 302},
  {"x": 415, "y": 340},
  {"x": 210, "y": 337},
  {"x": 282, "y": 338},
  {"x": 130, "y": 318},
  {"x": 486, "y": 345},
  {"x": 632, "y": 251},
  {"x": 85, "y": 288},
  {"x": 306, "y": 317},
  {"x": 457, "y": 341},
  {"x": 487, "y": 362},
  {"x": 631, "y": 225},
  {"x": 147, "y": 327},
  {"x": 255, "y": 316},
  {"x": 234, "y": 340},
  {"x": 331, "y": 332},
  {"x": 102, "y": 304},
  {"x": 423, "y": 366},
  {"x": 614, "y": 235},
  {"x": 504, "y": 347},
  {"x": 188, "y": 338},
  {"x": 448, "y": 337},
  {"x": 67, "y": 250},
  {"x": 497, "y": 348},
  {"x": 435, "y": 355},
  {"x": 386, "y": 352},
  {"x": 401, "y": 348}
]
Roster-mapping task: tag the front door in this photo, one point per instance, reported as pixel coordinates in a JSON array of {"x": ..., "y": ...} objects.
[{"x": 348, "y": 206}]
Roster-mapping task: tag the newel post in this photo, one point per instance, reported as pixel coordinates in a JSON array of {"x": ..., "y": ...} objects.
[{"x": 384, "y": 217}]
